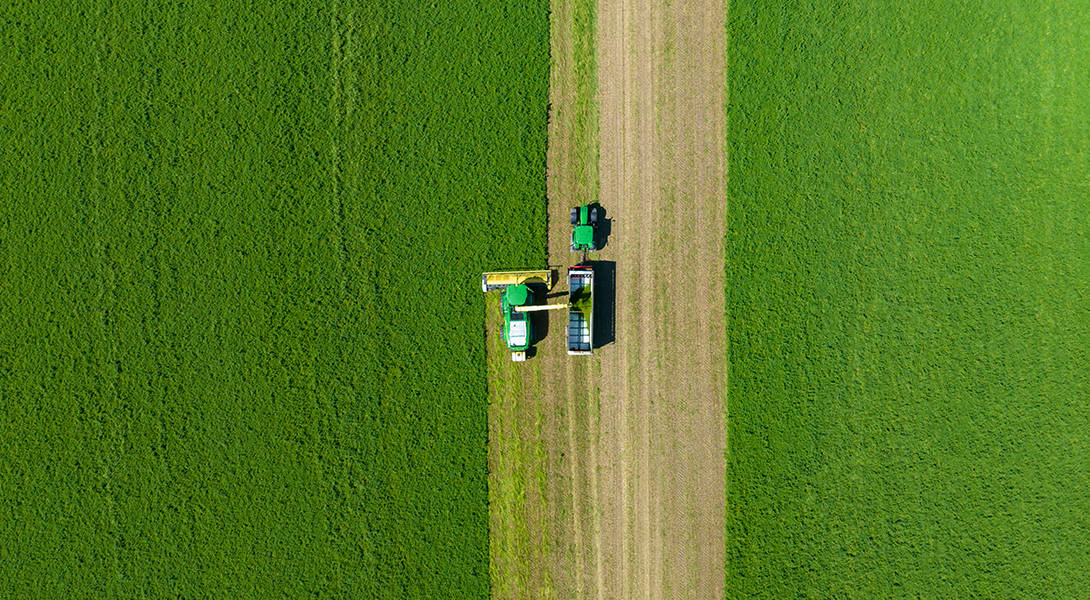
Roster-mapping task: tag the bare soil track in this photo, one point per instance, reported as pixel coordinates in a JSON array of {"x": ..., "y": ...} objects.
[
  {"x": 631, "y": 443},
  {"x": 662, "y": 168}
]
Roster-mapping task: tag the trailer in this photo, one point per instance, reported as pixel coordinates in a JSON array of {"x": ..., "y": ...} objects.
[{"x": 580, "y": 310}]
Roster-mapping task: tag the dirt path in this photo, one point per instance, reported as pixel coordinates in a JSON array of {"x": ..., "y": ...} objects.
[
  {"x": 543, "y": 413},
  {"x": 662, "y": 174},
  {"x": 570, "y": 384},
  {"x": 607, "y": 473}
]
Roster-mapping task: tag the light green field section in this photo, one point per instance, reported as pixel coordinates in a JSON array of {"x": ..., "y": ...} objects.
[{"x": 909, "y": 299}]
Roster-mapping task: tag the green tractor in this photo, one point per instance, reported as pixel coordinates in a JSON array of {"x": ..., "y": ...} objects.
[
  {"x": 517, "y": 328},
  {"x": 584, "y": 220}
]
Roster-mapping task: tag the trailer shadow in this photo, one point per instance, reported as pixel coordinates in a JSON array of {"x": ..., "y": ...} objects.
[{"x": 605, "y": 301}]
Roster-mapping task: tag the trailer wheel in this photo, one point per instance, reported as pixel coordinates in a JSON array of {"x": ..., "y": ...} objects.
[{"x": 574, "y": 216}]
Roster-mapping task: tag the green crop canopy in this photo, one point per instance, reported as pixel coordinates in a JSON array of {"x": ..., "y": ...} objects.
[{"x": 517, "y": 295}]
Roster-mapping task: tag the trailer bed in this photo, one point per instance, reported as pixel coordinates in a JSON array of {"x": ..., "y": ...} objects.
[{"x": 581, "y": 310}]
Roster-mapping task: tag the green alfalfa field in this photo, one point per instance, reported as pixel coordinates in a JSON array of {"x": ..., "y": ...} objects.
[
  {"x": 232, "y": 362},
  {"x": 909, "y": 298},
  {"x": 241, "y": 349}
]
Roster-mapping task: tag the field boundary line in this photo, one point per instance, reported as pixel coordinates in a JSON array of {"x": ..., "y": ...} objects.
[{"x": 726, "y": 298}]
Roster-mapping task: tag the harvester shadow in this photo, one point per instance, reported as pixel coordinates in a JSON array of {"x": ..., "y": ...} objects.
[
  {"x": 539, "y": 319},
  {"x": 605, "y": 299}
]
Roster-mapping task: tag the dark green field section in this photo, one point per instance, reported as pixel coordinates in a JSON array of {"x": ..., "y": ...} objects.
[
  {"x": 909, "y": 299},
  {"x": 240, "y": 342}
]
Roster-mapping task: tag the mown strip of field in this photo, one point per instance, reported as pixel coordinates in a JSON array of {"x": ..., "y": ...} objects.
[
  {"x": 241, "y": 351},
  {"x": 541, "y": 525},
  {"x": 908, "y": 272}
]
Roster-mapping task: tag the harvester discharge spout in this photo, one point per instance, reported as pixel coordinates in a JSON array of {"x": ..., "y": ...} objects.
[{"x": 540, "y": 307}]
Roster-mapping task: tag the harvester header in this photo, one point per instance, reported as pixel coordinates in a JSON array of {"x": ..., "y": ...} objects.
[
  {"x": 517, "y": 299},
  {"x": 498, "y": 280}
]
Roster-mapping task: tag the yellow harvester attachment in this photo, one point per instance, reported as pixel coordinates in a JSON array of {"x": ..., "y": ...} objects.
[
  {"x": 497, "y": 280},
  {"x": 539, "y": 307}
]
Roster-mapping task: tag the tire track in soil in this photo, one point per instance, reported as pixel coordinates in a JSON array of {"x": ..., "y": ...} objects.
[
  {"x": 545, "y": 429},
  {"x": 631, "y": 442},
  {"x": 662, "y": 169},
  {"x": 567, "y": 390}
]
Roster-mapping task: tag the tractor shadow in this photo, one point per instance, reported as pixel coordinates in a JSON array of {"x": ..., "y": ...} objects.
[
  {"x": 604, "y": 227},
  {"x": 605, "y": 301}
]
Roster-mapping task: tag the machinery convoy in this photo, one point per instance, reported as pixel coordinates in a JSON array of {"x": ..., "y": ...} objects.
[{"x": 519, "y": 287}]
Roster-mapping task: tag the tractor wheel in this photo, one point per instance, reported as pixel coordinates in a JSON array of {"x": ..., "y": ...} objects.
[
  {"x": 594, "y": 216},
  {"x": 574, "y": 216}
]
